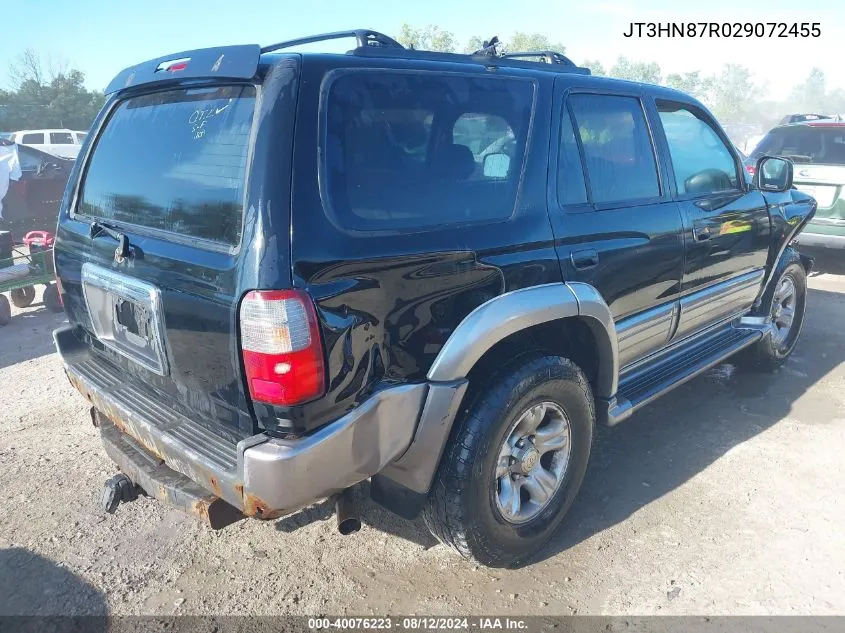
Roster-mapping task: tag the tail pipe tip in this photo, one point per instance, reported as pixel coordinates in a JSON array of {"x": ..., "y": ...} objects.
[{"x": 348, "y": 521}]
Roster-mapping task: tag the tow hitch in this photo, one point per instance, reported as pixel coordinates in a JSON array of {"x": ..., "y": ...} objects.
[{"x": 118, "y": 488}]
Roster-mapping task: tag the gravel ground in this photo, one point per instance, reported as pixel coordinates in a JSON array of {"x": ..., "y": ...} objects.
[{"x": 725, "y": 497}]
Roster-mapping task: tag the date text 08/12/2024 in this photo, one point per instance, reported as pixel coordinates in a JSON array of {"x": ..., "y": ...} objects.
[
  {"x": 418, "y": 623},
  {"x": 723, "y": 29}
]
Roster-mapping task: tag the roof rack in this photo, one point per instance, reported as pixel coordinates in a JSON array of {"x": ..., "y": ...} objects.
[
  {"x": 373, "y": 43},
  {"x": 549, "y": 57},
  {"x": 363, "y": 38}
]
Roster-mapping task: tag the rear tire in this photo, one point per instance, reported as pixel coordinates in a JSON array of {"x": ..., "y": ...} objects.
[
  {"x": 52, "y": 301},
  {"x": 496, "y": 499},
  {"x": 786, "y": 304},
  {"x": 5, "y": 310},
  {"x": 23, "y": 297}
]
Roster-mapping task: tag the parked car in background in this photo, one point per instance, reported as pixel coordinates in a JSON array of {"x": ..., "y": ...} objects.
[
  {"x": 803, "y": 118},
  {"x": 818, "y": 150},
  {"x": 63, "y": 143},
  {"x": 32, "y": 202}
]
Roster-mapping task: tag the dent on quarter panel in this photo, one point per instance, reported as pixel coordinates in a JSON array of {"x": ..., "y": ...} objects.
[{"x": 422, "y": 299}]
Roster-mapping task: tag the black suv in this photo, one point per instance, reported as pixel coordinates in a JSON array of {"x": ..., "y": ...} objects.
[{"x": 288, "y": 273}]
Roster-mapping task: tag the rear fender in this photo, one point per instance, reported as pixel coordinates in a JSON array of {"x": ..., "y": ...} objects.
[
  {"x": 789, "y": 213},
  {"x": 483, "y": 328}
]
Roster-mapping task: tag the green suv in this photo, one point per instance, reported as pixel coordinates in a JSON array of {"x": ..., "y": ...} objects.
[{"x": 818, "y": 150}]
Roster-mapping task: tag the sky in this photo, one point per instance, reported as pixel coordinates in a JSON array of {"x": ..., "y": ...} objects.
[{"x": 101, "y": 37}]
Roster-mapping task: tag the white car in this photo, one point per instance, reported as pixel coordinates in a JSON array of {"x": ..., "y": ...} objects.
[{"x": 63, "y": 143}]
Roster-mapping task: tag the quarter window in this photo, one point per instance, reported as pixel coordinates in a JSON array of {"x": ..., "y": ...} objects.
[
  {"x": 618, "y": 153},
  {"x": 702, "y": 162},
  {"x": 406, "y": 150},
  {"x": 570, "y": 175}
]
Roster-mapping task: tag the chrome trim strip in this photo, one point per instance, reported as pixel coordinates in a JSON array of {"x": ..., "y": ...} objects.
[
  {"x": 704, "y": 307},
  {"x": 645, "y": 332}
]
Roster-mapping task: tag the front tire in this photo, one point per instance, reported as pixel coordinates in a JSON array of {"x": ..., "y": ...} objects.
[
  {"x": 514, "y": 463},
  {"x": 786, "y": 301}
]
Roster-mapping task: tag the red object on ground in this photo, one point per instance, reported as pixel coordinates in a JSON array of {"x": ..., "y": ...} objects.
[{"x": 39, "y": 238}]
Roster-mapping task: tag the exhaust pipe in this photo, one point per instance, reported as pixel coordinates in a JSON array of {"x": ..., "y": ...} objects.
[{"x": 348, "y": 521}]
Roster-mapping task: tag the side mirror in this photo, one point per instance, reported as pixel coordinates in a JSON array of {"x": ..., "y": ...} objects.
[
  {"x": 496, "y": 165},
  {"x": 774, "y": 174}
]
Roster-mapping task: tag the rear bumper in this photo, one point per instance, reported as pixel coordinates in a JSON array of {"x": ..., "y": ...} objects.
[
  {"x": 260, "y": 476},
  {"x": 824, "y": 240}
]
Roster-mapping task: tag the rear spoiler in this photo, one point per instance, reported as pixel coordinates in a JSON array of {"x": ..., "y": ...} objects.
[{"x": 226, "y": 62}]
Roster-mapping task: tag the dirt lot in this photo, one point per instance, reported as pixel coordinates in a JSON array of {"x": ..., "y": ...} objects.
[{"x": 726, "y": 497}]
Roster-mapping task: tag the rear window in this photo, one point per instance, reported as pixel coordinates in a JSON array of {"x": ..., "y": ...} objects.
[
  {"x": 805, "y": 144},
  {"x": 406, "y": 150},
  {"x": 174, "y": 161}
]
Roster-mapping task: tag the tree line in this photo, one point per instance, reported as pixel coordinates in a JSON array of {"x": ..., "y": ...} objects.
[
  {"x": 49, "y": 96},
  {"x": 732, "y": 94},
  {"x": 46, "y": 96}
]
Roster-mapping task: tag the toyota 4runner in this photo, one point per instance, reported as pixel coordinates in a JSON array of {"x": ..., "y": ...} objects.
[{"x": 288, "y": 273}]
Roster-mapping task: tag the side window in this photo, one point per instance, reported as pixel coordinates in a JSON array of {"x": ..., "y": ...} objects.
[
  {"x": 61, "y": 138},
  {"x": 570, "y": 175},
  {"x": 413, "y": 150},
  {"x": 702, "y": 162},
  {"x": 32, "y": 139},
  {"x": 618, "y": 153},
  {"x": 80, "y": 137}
]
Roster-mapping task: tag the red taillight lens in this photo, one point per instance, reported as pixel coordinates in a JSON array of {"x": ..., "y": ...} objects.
[
  {"x": 751, "y": 169},
  {"x": 281, "y": 347}
]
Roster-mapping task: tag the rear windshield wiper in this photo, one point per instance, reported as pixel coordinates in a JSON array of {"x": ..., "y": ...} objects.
[{"x": 99, "y": 227}]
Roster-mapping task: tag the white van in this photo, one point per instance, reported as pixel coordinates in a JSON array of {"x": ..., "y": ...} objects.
[{"x": 64, "y": 143}]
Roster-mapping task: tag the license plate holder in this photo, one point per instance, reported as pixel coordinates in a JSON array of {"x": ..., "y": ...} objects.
[{"x": 126, "y": 316}]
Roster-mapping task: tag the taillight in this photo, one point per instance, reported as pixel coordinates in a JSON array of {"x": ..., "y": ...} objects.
[{"x": 281, "y": 347}]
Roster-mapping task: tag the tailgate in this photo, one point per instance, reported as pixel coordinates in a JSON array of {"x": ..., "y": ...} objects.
[
  {"x": 168, "y": 171},
  {"x": 826, "y": 184}
]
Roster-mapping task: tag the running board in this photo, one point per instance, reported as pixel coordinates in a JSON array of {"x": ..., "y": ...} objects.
[{"x": 678, "y": 364}]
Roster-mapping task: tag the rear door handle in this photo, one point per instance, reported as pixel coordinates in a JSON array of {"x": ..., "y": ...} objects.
[{"x": 582, "y": 260}]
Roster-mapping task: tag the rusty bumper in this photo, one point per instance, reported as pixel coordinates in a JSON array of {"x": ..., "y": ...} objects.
[{"x": 266, "y": 477}]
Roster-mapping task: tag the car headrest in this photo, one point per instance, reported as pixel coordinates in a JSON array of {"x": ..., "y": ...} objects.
[{"x": 455, "y": 162}]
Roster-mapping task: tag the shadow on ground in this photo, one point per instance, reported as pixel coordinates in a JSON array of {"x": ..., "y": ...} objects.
[
  {"x": 34, "y": 590},
  {"x": 678, "y": 436},
  {"x": 29, "y": 335},
  {"x": 371, "y": 514},
  {"x": 670, "y": 441}
]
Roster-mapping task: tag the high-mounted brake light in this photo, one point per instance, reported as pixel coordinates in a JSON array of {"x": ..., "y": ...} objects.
[
  {"x": 173, "y": 65},
  {"x": 281, "y": 347}
]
